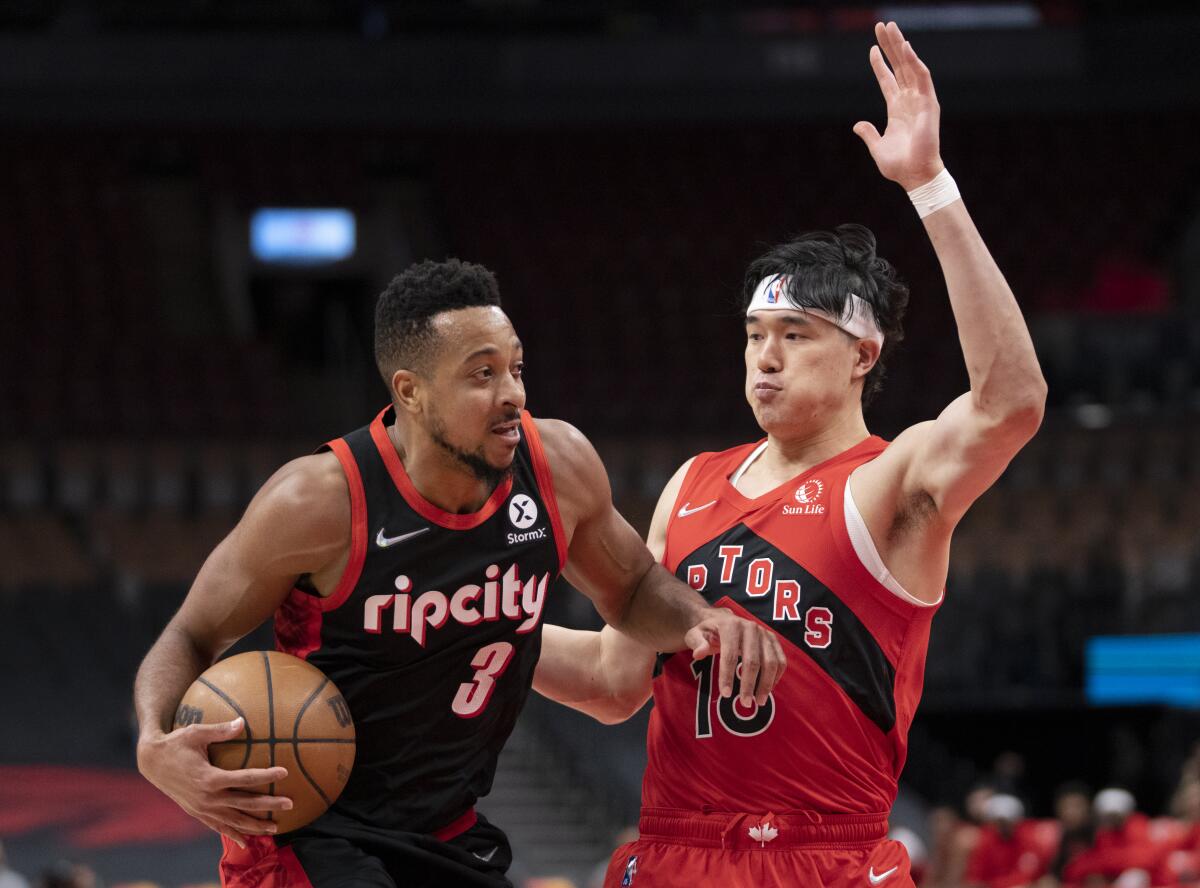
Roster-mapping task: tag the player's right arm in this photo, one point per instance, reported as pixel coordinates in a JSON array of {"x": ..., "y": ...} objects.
[
  {"x": 297, "y": 524},
  {"x": 605, "y": 674}
]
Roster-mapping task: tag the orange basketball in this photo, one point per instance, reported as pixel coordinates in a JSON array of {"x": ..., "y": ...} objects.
[{"x": 295, "y": 718}]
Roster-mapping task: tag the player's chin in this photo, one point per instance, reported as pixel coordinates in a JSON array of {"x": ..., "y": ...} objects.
[
  {"x": 500, "y": 452},
  {"x": 775, "y": 419},
  {"x": 766, "y": 414}
]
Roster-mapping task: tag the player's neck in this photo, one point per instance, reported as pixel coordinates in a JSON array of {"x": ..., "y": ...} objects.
[
  {"x": 438, "y": 477},
  {"x": 789, "y": 455}
]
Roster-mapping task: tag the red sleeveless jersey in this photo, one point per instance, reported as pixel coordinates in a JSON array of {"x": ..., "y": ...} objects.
[{"x": 832, "y": 738}]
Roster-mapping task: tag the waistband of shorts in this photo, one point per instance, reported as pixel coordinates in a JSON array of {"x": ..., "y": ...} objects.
[
  {"x": 457, "y": 826},
  {"x": 767, "y": 830}
]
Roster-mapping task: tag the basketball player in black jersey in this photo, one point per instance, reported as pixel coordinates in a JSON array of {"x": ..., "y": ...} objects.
[{"x": 410, "y": 561}]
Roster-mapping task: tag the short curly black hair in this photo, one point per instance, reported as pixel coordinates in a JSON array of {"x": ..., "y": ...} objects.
[
  {"x": 404, "y": 336},
  {"x": 823, "y": 268}
]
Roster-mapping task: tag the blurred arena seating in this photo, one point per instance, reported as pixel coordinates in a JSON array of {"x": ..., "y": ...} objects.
[{"x": 600, "y": 228}]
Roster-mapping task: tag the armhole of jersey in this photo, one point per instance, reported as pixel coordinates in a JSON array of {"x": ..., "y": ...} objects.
[
  {"x": 545, "y": 483},
  {"x": 689, "y": 478},
  {"x": 358, "y": 526},
  {"x": 867, "y": 553}
]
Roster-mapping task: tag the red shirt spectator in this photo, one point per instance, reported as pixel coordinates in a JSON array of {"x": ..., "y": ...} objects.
[
  {"x": 1013, "y": 857},
  {"x": 1123, "y": 842},
  {"x": 1011, "y": 851}
]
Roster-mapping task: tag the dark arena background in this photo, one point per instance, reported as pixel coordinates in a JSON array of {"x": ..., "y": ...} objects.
[{"x": 171, "y": 334}]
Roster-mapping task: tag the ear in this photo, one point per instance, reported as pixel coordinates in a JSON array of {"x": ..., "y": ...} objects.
[
  {"x": 406, "y": 391},
  {"x": 866, "y": 356}
]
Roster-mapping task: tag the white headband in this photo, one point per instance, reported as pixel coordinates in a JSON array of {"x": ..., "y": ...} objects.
[{"x": 771, "y": 295}]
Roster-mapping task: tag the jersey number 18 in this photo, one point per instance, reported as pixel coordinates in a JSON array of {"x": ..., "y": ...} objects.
[{"x": 734, "y": 718}]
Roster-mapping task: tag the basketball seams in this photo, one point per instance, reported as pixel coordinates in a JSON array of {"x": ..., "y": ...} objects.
[
  {"x": 293, "y": 742},
  {"x": 245, "y": 721},
  {"x": 271, "y": 722},
  {"x": 296, "y": 741},
  {"x": 300, "y": 741}
]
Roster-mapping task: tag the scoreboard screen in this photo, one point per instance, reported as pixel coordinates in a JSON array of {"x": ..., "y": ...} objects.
[
  {"x": 1143, "y": 669},
  {"x": 302, "y": 236}
]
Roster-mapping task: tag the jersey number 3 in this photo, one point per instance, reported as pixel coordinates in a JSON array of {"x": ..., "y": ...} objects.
[
  {"x": 489, "y": 663},
  {"x": 734, "y": 718}
]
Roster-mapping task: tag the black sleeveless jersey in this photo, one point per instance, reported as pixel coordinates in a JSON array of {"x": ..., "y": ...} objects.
[{"x": 433, "y": 631}]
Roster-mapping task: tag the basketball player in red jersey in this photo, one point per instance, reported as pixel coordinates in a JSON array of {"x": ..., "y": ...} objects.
[
  {"x": 410, "y": 560},
  {"x": 836, "y": 539}
]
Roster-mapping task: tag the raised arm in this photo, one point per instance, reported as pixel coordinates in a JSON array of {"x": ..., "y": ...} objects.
[
  {"x": 605, "y": 674},
  {"x": 299, "y": 523},
  {"x": 610, "y": 564},
  {"x": 952, "y": 460}
]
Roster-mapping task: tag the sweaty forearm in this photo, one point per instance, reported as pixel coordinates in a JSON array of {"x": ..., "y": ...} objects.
[
  {"x": 998, "y": 350},
  {"x": 660, "y": 611},
  {"x": 169, "y": 668}
]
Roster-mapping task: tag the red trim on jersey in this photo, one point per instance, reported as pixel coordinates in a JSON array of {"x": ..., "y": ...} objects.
[
  {"x": 298, "y": 624},
  {"x": 456, "y": 827},
  {"x": 545, "y": 483},
  {"x": 262, "y": 864},
  {"x": 412, "y": 496},
  {"x": 358, "y": 527}
]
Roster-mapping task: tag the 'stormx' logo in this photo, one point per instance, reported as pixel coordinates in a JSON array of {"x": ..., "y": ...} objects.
[{"x": 522, "y": 511}]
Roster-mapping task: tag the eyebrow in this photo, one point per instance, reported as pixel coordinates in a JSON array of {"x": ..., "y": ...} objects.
[{"x": 490, "y": 351}]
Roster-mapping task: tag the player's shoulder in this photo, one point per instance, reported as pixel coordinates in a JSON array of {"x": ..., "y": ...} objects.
[
  {"x": 886, "y": 461},
  {"x": 569, "y": 453},
  {"x": 558, "y": 433},
  {"x": 308, "y": 480},
  {"x": 705, "y": 463},
  {"x": 723, "y": 461},
  {"x": 309, "y": 496}
]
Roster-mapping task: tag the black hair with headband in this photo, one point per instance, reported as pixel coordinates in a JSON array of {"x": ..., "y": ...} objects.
[{"x": 824, "y": 268}]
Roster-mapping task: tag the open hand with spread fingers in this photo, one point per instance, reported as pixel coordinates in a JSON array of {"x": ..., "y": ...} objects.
[{"x": 908, "y": 151}]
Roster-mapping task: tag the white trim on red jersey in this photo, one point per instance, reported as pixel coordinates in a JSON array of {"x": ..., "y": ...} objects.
[{"x": 868, "y": 554}]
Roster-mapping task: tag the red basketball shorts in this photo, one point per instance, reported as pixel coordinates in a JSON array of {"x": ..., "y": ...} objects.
[{"x": 686, "y": 849}]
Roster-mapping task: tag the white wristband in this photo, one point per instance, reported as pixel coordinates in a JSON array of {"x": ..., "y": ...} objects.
[{"x": 938, "y": 192}]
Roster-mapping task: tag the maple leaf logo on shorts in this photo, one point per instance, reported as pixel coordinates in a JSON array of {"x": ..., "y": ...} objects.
[{"x": 763, "y": 834}]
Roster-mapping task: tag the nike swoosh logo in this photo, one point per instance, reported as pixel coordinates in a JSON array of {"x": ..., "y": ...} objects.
[
  {"x": 384, "y": 541},
  {"x": 684, "y": 511},
  {"x": 876, "y": 879},
  {"x": 489, "y": 856}
]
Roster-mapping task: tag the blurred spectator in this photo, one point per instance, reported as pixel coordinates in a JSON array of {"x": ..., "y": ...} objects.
[
  {"x": 1010, "y": 851},
  {"x": 1008, "y": 774},
  {"x": 1122, "y": 848},
  {"x": 1182, "y": 862},
  {"x": 949, "y": 863},
  {"x": 10, "y": 878},
  {"x": 943, "y": 867},
  {"x": 1125, "y": 283},
  {"x": 68, "y": 874},
  {"x": 918, "y": 856},
  {"x": 1073, "y": 808}
]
